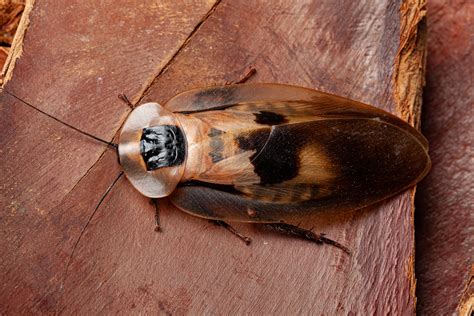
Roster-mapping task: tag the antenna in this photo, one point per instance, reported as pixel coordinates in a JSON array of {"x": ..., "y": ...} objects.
[{"x": 114, "y": 145}]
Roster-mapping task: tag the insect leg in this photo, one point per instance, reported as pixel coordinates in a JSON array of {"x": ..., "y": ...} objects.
[
  {"x": 245, "y": 239},
  {"x": 305, "y": 234},
  {"x": 246, "y": 76},
  {"x": 157, "y": 215},
  {"x": 125, "y": 100}
]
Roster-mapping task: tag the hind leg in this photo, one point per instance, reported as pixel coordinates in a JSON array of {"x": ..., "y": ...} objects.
[
  {"x": 306, "y": 234},
  {"x": 245, "y": 239}
]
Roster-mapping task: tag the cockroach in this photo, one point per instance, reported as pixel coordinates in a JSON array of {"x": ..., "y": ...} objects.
[{"x": 269, "y": 153}]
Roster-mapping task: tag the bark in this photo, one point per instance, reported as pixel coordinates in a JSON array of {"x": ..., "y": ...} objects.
[
  {"x": 445, "y": 243},
  {"x": 69, "y": 247}
]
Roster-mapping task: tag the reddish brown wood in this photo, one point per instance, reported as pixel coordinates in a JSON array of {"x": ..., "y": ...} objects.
[
  {"x": 75, "y": 60},
  {"x": 58, "y": 255},
  {"x": 445, "y": 243}
]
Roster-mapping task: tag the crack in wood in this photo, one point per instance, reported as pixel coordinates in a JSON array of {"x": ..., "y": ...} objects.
[
  {"x": 68, "y": 125},
  {"x": 141, "y": 95},
  {"x": 81, "y": 178},
  {"x": 180, "y": 49},
  {"x": 109, "y": 189}
]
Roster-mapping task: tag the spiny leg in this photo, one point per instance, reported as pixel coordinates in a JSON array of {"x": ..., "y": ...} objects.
[
  {"x": 245, "y": 239},
  {"x": 125, "y": 100},
  {"x": 157, "y": 215},
  {"x": 246, "y": 76},
  {"x": 306, "y": 234}
]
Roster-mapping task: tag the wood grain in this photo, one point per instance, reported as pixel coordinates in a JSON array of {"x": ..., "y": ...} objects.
[
  {"x": 445, "y": 243},
  {"x": 75, "y": 59},
  {"x": 61, "y": 254}
]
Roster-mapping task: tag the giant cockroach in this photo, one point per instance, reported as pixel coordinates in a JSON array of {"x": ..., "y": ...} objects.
[{"x": 269, "y": 153}]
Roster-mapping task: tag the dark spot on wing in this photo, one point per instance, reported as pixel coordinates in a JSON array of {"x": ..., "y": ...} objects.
[
  {"x": 217, "y": 145},
  {"x": 220, "y": 96},
  {"x": 215, "y": 132},
  {"x": 253, "y": 140},
  {"x": 269, "y": 118},
  {"x": 373, "y": 158},
  {"x": 276, "y": 158}
]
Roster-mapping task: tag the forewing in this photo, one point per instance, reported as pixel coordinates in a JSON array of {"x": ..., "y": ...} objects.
[
  {"x": 327, "y": 106},
  {"x": 285, "y": 100},
  {"x": 308, "y": 151},
  {"x": 223, "y": 203},
  {"x": 330, "y": 164},
  {"x": 221, "y": 97}
]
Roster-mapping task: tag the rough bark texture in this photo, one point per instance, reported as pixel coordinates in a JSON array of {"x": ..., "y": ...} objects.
[
  {"x": 445, "y": 202},
  {"x": 66, "y": 248},
  {"x": 11, "y": 20},
  {"x": 10, "y": 15}
]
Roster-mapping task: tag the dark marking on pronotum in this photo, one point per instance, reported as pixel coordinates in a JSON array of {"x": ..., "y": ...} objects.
[
  {"x": 217, "y": 145},
  {"x": 276, "y": 159},
  {"x": 162, "y": 146},
  {"x": 269, "y": 118}
]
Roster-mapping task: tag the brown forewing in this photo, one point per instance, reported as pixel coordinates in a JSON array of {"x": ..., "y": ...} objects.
[{"x": 277, "y": 152}]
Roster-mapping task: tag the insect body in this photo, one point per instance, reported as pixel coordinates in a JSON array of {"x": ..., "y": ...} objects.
[{"x": 268, "y": 153}]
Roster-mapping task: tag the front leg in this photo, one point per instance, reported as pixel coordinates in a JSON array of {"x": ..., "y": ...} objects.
[{"x": 157, "y": 215}]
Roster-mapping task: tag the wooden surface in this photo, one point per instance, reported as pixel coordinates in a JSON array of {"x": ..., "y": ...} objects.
[
  {"x": 61, "y": 254},
  {"x": 445, "y": 243}
]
